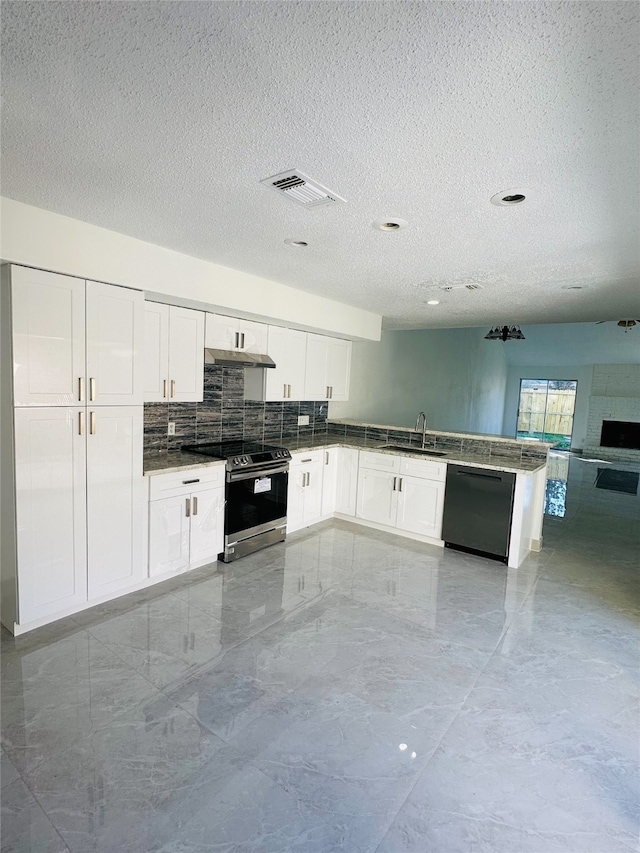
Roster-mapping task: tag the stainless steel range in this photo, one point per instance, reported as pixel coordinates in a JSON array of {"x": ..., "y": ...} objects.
[{"x": 256, "y": 494}]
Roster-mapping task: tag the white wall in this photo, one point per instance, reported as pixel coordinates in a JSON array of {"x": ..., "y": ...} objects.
[
  {"x": 582, "y": 374},
  {"x": 46, "y": 240},
  {"x": 454, "y": 375}
]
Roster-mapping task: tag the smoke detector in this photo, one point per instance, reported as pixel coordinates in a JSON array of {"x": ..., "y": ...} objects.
[
  {"x": 306, "y": 191},
  {"x": 449, "y": 287}
]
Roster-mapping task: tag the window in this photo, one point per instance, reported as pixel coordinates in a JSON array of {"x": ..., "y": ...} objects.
[{"x": 545, "y": 411}]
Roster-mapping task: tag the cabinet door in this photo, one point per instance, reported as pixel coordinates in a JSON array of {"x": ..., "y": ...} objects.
[
  {"x": 315, "y": 381},
  {"x": 186, "y": 355},
  {"x": 420, "y": 506},
  {"x": 295, "y": 499},
  {"x": 221, "y": 332},
  {"x": 169, "y": 527},
  {"x": 347, "y": 481},
  {"x": 156, "y": 352},
  {"x": 313, "y": 493},
  {"x": 115, "y": 499},
  {"x": 115, "y": 345},
  {"x": 207, "y": 526},
  {"x": 377, "y": 497},
  {"x": 287, "y": 347},
  {"x": 48, "y": 338},
  {"x": 338, "y": 368},
  {"x": 50, "y": 510},
  {"x": 331, "y": 463},
  {"x": 253, "y": 336}
]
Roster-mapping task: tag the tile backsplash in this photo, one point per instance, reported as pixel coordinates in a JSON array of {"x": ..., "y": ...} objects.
[{"x": 224, "y": 415}]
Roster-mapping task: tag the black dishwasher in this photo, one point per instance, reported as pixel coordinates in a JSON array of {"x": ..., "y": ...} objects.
[{"x": 477, "y": 510}]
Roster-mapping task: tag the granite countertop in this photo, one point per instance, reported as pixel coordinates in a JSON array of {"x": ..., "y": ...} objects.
[
  {"x": 166, "y": 463},
  {"x": 493, "y": 462},
  {"x": 169, "y": 463}
]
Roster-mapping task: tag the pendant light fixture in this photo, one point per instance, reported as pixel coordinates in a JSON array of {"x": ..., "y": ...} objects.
[{"x": 505, "y": 333}]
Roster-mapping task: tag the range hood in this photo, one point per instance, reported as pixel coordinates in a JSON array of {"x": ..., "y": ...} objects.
[{"x": 234, "y": 358}]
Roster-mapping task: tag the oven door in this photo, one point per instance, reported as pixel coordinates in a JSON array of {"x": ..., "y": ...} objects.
[{"x": 256, "y": 502}]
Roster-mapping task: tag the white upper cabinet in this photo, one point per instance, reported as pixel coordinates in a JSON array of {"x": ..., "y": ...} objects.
[
  {"x": 75, "y": 341},
  {"x": 48, "y": 338},
  {"x": 115, "y": 334},
  {"x": 186, "y": 355},
  {"x": 156, "y": 352},
  {"x": 288, "y": 349},
  {"x": 230, "y": 333},
  {"x": 338, "y": 369},
  {"x": 173, "y": 354},
  {"x": 328, "y": 365}
]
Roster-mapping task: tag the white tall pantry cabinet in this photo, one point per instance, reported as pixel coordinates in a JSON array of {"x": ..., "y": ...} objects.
[{"x": 72, "y": 480}]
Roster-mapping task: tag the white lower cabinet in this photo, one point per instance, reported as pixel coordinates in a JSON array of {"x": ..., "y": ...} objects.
[
  {"x": 304, "y": 495},
  {"x": 51, "y": 513},
  {"x": 339, "y": 481},
  {"x": 186, "y": 519},
  {"x": 79, "y": 506},
  {"x": 115, "y": 499},
  {"x": 402, "y": 492}
]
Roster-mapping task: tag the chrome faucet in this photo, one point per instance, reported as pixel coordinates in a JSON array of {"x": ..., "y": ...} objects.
[{"x": 424, "y": 425}]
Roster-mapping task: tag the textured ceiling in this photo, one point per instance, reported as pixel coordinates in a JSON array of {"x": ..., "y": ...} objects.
[{"x": 158, "y": 120}]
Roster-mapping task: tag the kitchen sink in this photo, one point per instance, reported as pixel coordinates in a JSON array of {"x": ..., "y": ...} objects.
[{"x": 406, "y": 448}]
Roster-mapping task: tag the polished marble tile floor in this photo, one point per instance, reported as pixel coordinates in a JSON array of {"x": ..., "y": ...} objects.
[{"x": 346, "y": 691}]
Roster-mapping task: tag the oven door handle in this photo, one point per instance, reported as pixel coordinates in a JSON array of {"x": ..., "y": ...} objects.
[{"x": 255, "y": 473}]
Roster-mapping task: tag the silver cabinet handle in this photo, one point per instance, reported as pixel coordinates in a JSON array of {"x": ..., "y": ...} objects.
[
  {"x": 81, "y": 389},
  {"x": 399, "y": 484},
  {"x": 237, "y": 341},
  {"x": 173, "y": 387},
  {"x": 326, "y": 392},
  {"x": 289, "y": 387},
  {"x": 394, "y": 484},
  {"x": 330, "y": 392},
  {"x": 326, "y": 457},
  {"x": 242, "y": 340},
  {"x": 308, "y": 478},
  {"x": 187, "y": 482},
  {"x": 195, "y": 505},
  {"x": 284, "y": 391},
  {"x": 187, "y": 507},
  {"x": 165, "y": 389},
  {"x": 92, "y": 388},
  {"x": 80, "y": 423},
  {"x": 92, "y": 423}
]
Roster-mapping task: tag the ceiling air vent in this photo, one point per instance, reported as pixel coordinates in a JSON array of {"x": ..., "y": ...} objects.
[
  {"x": 449, "y": 287},
  {"x": 301, "y": 189}
]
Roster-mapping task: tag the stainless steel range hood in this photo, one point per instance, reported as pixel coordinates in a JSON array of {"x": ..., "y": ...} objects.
[{"x": 233, "y": 358}]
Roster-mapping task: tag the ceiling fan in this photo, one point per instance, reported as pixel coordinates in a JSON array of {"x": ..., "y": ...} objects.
[{"x": 624, "y": 324}]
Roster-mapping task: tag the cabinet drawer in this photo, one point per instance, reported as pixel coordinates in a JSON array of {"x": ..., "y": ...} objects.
[
  {"x": 427, "y": 469},
  {"x": 380, "y": 461},
  {"x": 313, "y": 457},
  {"x": 185, "y": 482}
]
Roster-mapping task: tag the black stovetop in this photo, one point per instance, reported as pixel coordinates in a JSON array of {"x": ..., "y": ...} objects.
[{"x": 240, "y": 452}]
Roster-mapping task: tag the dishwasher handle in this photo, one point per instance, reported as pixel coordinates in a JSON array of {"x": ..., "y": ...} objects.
[{"x": 481, "y": 476}]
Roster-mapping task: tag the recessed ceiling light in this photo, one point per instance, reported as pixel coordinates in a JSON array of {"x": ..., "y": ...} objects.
[
  {"x": 433, "y": 302},
  {"x": 390, "y": 224},
  {"x": 508, "y": 197},
  {"x": 299, "y": 244}
]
